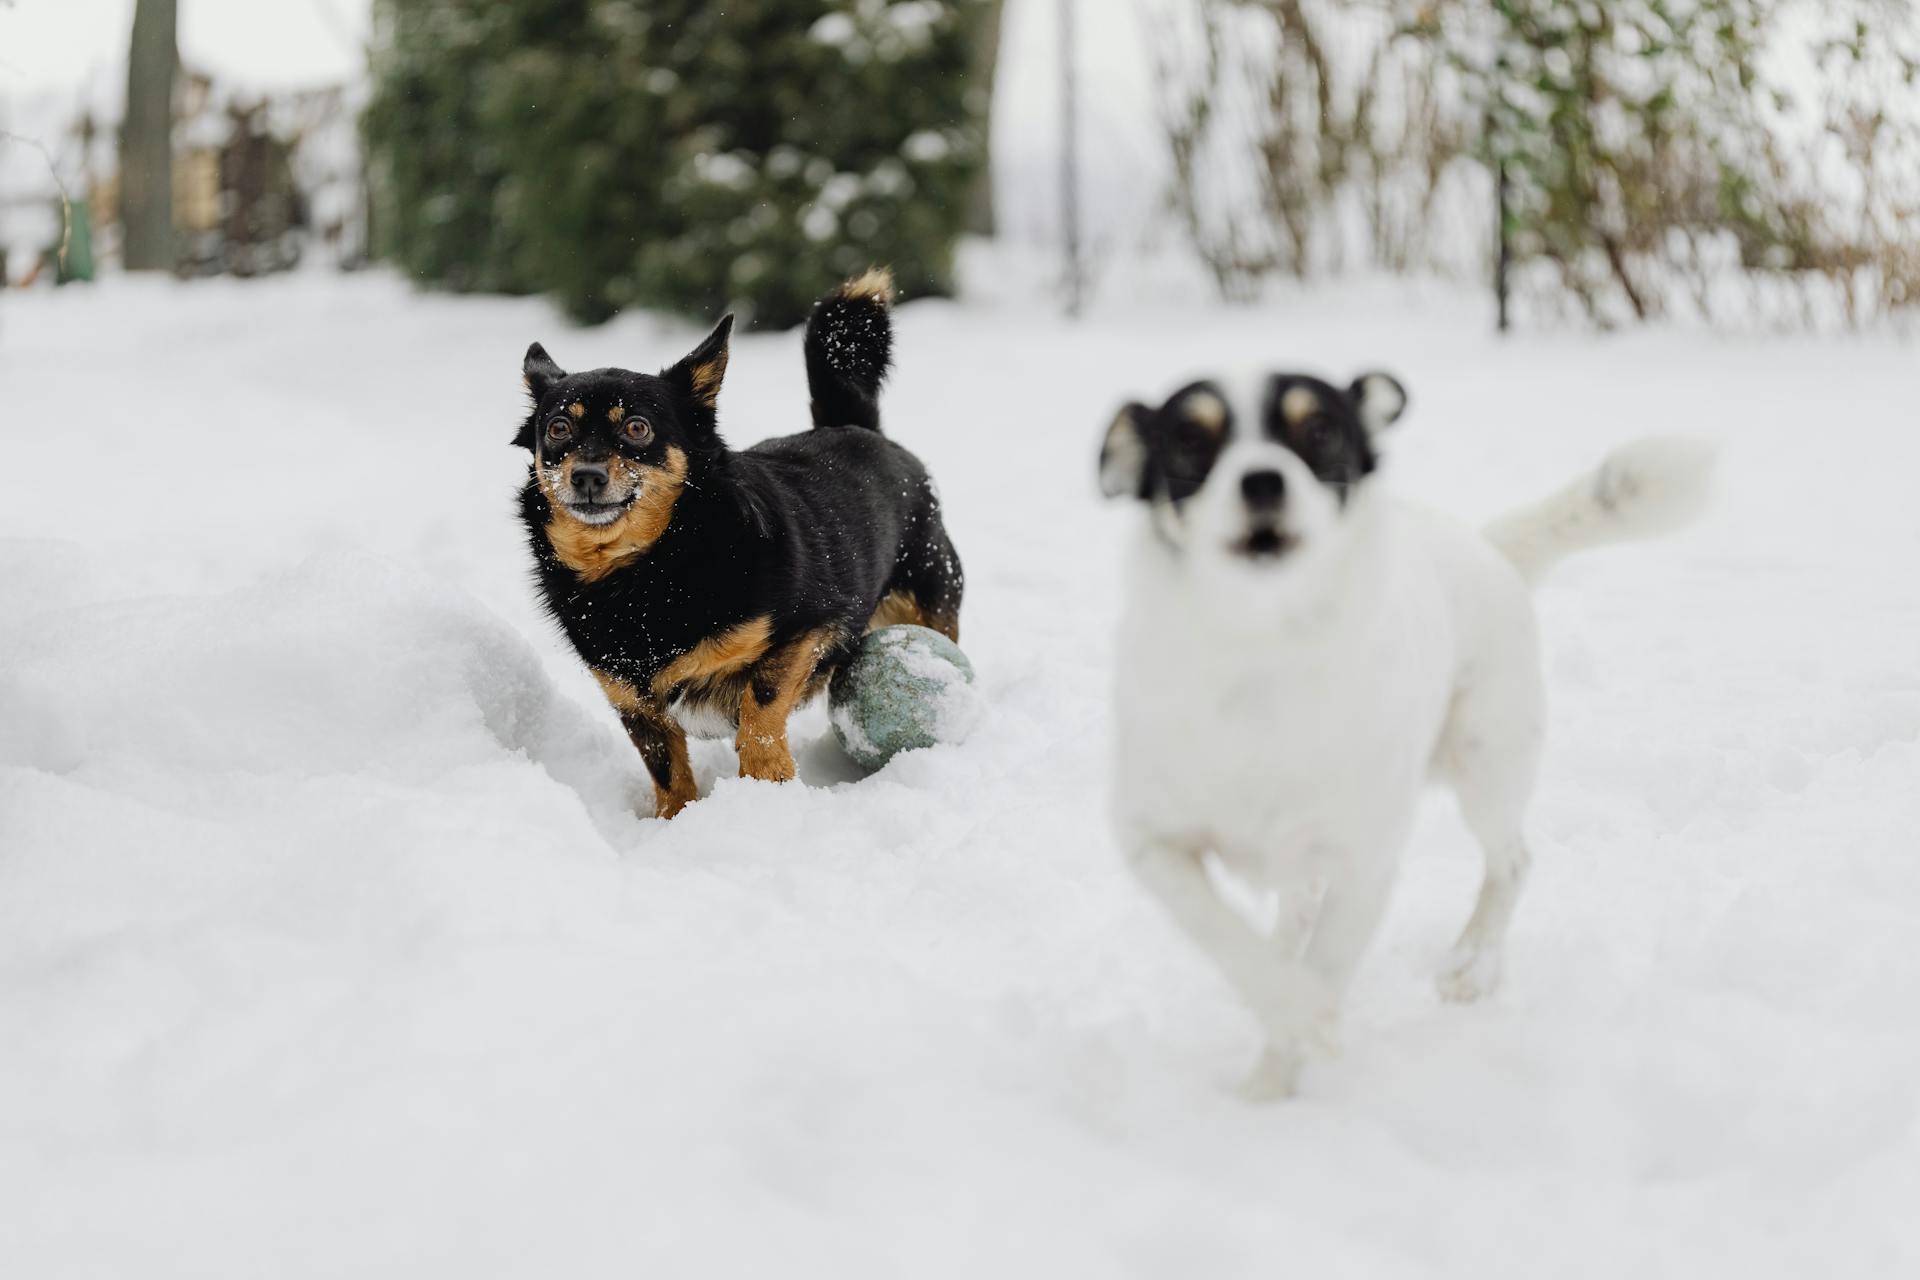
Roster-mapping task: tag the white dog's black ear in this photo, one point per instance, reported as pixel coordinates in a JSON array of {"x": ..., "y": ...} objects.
[
  {"x": 540, "y": 371},
  {"x": 1123, "y": 454},
  {"x": 1380, "y": 400}
]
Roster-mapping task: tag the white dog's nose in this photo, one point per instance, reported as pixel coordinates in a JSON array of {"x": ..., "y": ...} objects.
[{"x": 1264, "y": 489}]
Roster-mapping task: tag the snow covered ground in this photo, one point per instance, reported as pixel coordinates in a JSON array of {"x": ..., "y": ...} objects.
[{"x": 330, "y": 945}]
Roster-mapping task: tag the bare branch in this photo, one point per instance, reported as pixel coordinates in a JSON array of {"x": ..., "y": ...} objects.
[{"x": 66, "y": 201}]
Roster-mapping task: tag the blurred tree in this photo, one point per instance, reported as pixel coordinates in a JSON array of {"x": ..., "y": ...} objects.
[
  {"x": 146, "y": 139},
  {"x": 434, "y": 174},
  {"x": 675, "y": 153},
  {"x": 984, "y": 76}
]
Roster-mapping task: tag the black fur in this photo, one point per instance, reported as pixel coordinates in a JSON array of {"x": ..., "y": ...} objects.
[
  {"x": 809, "y": 530},
  {"x": 849, "y": 349},
  {"x": 1166, "y": 454}
]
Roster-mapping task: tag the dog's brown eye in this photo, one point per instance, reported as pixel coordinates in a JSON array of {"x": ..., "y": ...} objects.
[
  {"x": 637, "y": 431},
  {"x": 559, "y": 431}
]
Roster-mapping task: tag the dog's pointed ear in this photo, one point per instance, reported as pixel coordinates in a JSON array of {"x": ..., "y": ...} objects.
[
  {"x": 540, "y": 373},
  {"x": 699, "y": 373},
  {"x": 1123, "y": 454},
  {"x": 1380, "y": 400}
]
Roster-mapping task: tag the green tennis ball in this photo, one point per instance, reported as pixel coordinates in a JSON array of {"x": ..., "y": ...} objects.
[{"x": 907, "y": 687}]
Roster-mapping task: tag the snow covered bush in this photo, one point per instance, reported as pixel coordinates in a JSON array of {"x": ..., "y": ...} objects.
[
  {"x": 1305, "y": 136},
  {"x": 1750, "y": 158},
  {"x": 1627, "y": 131},
  {"x": 675, "y": 153}
]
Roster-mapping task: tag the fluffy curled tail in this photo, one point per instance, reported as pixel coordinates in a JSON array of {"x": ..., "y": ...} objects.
[
  {"x": 1648, "y": 487},
  {"x": 849, "y": 350}
]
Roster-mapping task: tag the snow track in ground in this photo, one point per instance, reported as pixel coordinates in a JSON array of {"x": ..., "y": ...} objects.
[{"x": 329, "y": 942}]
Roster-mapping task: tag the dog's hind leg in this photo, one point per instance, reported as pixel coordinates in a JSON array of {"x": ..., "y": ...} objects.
[
  {"x": 1473, "y": 968},
  {"x": 1291, "y": 1003},
  {"x": 1489, "y": 755},
  {"x": 927, "y": 587}
]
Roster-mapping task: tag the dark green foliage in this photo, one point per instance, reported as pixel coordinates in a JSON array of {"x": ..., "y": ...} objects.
[{"x": 674, "y": 153}]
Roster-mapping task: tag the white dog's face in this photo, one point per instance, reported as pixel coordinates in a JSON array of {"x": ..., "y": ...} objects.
[{"x": 1259, "y": 481}]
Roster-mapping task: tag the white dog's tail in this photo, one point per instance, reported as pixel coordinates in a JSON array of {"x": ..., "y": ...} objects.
[{"x": 1649, "y": 487}]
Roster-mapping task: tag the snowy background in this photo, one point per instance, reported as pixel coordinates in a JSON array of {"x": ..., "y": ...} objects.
[
  {"x": 59, "y": 55},
  {"x": 330, "y": 943}
]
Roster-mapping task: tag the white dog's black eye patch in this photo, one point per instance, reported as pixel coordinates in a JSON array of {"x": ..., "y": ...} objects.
[
  {"x": 1166, "y": 453},
  {"x": 1322, "y": 425},
  {"x": 1188, "y": 435}
]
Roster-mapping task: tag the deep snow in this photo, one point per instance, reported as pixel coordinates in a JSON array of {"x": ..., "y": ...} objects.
[{"x": 329, "y": 943}]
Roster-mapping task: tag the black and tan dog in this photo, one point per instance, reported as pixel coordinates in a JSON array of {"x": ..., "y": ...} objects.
[{"x": 699, "y": 582}]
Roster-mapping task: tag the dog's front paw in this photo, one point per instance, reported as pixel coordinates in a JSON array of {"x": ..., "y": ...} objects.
[
  {"x": 1274, "y": 1078},
  {"x": 765, "y": 759},
  {"x": 1298, "y": 1008},
  {"x": 1471, "y": 973}
]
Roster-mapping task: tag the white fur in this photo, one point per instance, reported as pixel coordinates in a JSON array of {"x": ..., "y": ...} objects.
[
  {"x": 1284, "y": 715},
  {"x": 1644, "y": 488}
]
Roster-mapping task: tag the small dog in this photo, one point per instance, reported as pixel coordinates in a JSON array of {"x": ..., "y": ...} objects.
[
  {"x": 702, "y": 584},
  {"x": 1299, "y": 653}
]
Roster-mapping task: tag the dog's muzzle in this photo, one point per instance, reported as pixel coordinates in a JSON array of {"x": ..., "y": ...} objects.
[
  {"x": 1264, "y": 492},
  {"x": 591, "y": 500}
]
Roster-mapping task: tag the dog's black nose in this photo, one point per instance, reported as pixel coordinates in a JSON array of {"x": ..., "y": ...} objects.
[
  {"x": 589, "y": 480},
  {"x": 1263, "y": 490}
]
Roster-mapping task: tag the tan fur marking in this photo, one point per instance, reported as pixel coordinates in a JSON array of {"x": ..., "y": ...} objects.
[
  {"x": 627, "y": 476},
  {"x": 876, "y": 283},
  {"x": 576, "y": 410},
  {"x": 903, "y": 608},
  {"x": 617, "y": 414},
  {"x": 650, "y": 726},
  {"x": 762, "y": 740},
  {"x": 717, "y": 655},
  {"x": 624, "y": 697},
  {"x": 1206, "y": 411},
  {"x": 680, "y": 790},
  {"x": 897, "y": 608},
  {"x": 706, "y": 379},
  {"x": 1299, "y": 404},
  {"x": 595, "y": 550}
]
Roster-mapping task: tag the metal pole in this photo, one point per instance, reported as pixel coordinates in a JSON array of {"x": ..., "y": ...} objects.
[
  {"x": 1070, "y": 161},
  {"x": 1504, "y": 256}
]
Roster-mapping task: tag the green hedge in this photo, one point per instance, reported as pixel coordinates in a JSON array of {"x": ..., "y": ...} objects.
[{"x": 681, "y": 154}]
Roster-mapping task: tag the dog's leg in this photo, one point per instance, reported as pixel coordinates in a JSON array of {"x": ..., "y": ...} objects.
[
  {"x": 1488, "y": 754},
  {"x": 1284, "y": 994},
  {"x": 1493, "y": 813},
  {"x": 658, "y": 737},
  {"x": 1350, "y": 914},
  {"x": 662, "y": 744},
  {"x": 773, "y": 687}
]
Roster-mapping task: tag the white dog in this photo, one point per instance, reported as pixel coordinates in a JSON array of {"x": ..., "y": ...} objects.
[{"x": 1300, "y": 653}]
